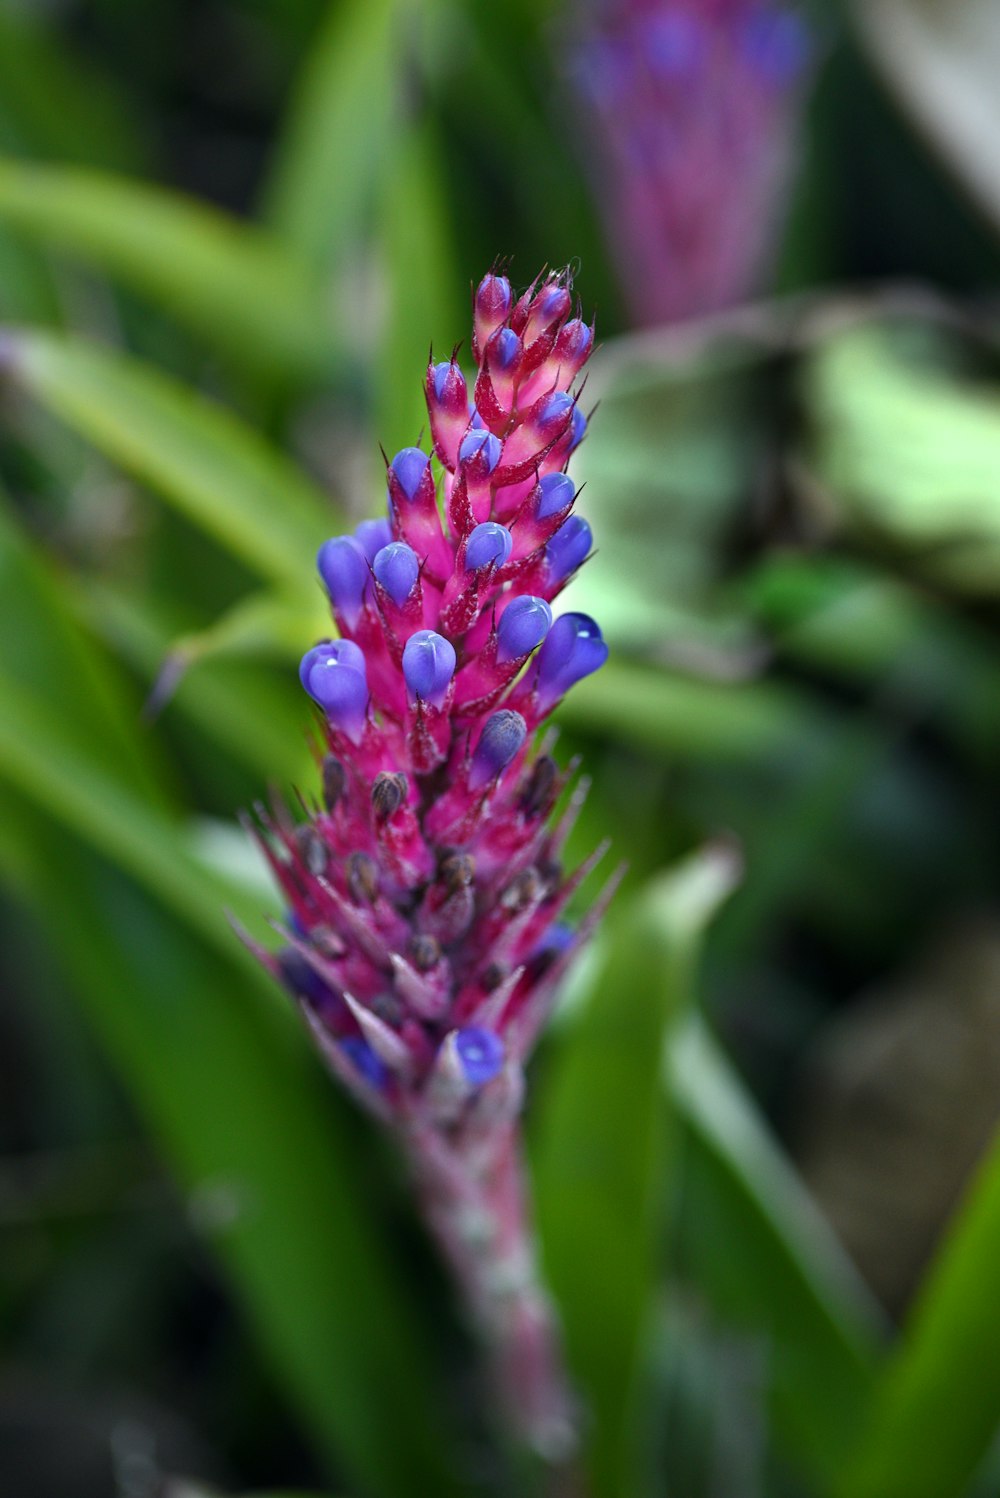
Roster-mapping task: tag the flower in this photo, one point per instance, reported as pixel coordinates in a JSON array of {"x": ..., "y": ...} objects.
[
  {"x": 426, "y": 932},
  {"x": 691, "y": 109}
]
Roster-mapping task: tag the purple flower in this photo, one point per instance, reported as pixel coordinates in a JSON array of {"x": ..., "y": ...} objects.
[
  {"x": 425, "y": 891},
  {"x": 691, "y": 112}
]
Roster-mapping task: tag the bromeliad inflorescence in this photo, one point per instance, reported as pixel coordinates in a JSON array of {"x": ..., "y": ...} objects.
[
  {"x": 693, "y": 108},
  {"x": 427, "y": 898}
]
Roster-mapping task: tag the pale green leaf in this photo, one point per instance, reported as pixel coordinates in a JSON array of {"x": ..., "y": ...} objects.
[
  {"x": 764, "y": 1256},
  {"x": 602, "y": 1166},
  {"x": 230, "y": 282},
  {"x": 225, "y": 478},
  {"x": 936, "y": 1412}
]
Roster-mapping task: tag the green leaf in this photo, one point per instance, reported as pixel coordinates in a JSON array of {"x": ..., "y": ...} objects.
[
  {"x": 265, "y": 1153},
  {"x": 417, "y": 250},
  {"x": 235, "y": 706},
  {"x": 602, "y": 1169},
  {"x": 936, "y": 1412},
  {"x": 760, "y": 1251},
  {"x": 668, "y": 713},
  {"x": 862, "y": 625},
  {"x": 193, "y": 452},
  {"x": 52, "y": 103},
  {"x": 677, "y": 445},
  {"x": 213, "y": 1057},
  {"x": 339, "y": 130},
  {"x": 229, "y": 282},
  {"x": 942, "y": 61},
  {"x": 906, "y": 447}
]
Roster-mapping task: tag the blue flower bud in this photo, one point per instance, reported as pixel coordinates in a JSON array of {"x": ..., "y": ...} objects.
[
  {"x": 574, "y": 648},
  {"x": 441, "y": 373},
  {"x": 558, "y": 939},
  {"x": 372, "y": 535},
  {"x": 480, "y": 1054},
  {"x": 568, "y": 547},
  {"x": 397, "y": 568},
  {"x": 557, "y": 491},
  {"x": 482, "y": 445},
  {"x": 575, "y": 341},
  {"x": 343, "y": 652},
  {"x": 408, "y": 467},
  {"x": 344, "y": 570},
  {"x": 551, "y": 304},
  {"x": 364, "y": 1060},
  {"x": 488, "y": 543},
  {"x": 577, "y": 429},
  {"x": 475, "y": 420},
  {"x": 493, "y": 297},
  {"x": 340, "y": 687},
  {"x": 777, "y": 45},
  {"x": 302, "y": 980},
  {"x": 428, "y": 665},
  {"x": 502, "y": 736},
  {"x": 505, "y": 348},
  {"x": 676, "y": 45},
  {"x": 553, "y": 412},
  {"x": 525, "y": 623}
]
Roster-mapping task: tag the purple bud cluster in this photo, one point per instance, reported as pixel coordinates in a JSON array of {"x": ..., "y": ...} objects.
[
  {"x": 426, "y": 893},
  {"x": 692, "y": 108}
]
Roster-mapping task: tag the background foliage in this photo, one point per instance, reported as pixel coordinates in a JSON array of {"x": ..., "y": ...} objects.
[{"x": 227, "y": 232}]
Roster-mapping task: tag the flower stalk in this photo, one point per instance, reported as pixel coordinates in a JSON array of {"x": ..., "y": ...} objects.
[{"x": 427, "y": 898}]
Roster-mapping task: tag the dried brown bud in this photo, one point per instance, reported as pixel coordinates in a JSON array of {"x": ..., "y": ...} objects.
[
  {"x": 362, "y": 879},
  {"x": 523, "y": 890},
  {"x": 388, "y": 794},
  {"x": 540, "y": 787},
  {"x": 457, "y": 871},
  {"x": 388, "y": 1006},
  {"x": 425, "y": 952},
  {"x": 334, "y": 781},
  {"x": 492, "y": 976},
  {"x": 312, "y": 849}
]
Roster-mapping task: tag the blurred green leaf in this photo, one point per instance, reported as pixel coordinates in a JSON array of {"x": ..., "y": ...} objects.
[
  {"x": 215, "y": 1061},
  {"x": 910, "y": 448},
  {"x": 339, "y": 129},
  {"x": 666, "y": 713},
  {"x": 602, "y": 1167},
  {"x": 668, "y": 467},
  {"x": 53, "y": 103},
  {"x": 260, "y": 626},
  {"x": 238, "y": 708},
  {"x": 228, "y": 281},
  {"x": 40, "y": 648},
  {"x": 246, "y": 1119},
  {"x": 941, "y": 61},
  {"x": 936, "y": 1412},
  {"x": 417, "y": 251},
  {"x": 759, "y": 1249},
  {"x": 862, "y": 625},
  {"x": 193, "y": 452}
]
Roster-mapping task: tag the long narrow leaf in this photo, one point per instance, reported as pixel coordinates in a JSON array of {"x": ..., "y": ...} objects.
[
  {"x": 763, "y": 1256},
  {"x": 197, "y": 455},
  {"x": 602, "y": 1171},
  {"x": 339, "y": 128},
  {"x": 248, "y": 1124},
  {"x": 231, "y": 283},
  {"x": 937, "y": 1410},
  {"x": 214, "y": 1062},
  {"x": 667, "y": 712}
]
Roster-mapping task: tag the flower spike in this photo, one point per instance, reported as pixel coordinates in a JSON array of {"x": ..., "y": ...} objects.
[{"x": 426, "y": 922}]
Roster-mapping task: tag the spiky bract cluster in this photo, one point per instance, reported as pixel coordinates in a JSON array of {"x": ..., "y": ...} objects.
[
  {"x": 426, "y": 893},
  {"x": 691, "y": 108}
]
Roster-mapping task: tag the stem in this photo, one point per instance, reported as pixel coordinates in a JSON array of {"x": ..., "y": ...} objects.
[{"x": 472, "y": 1192}]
